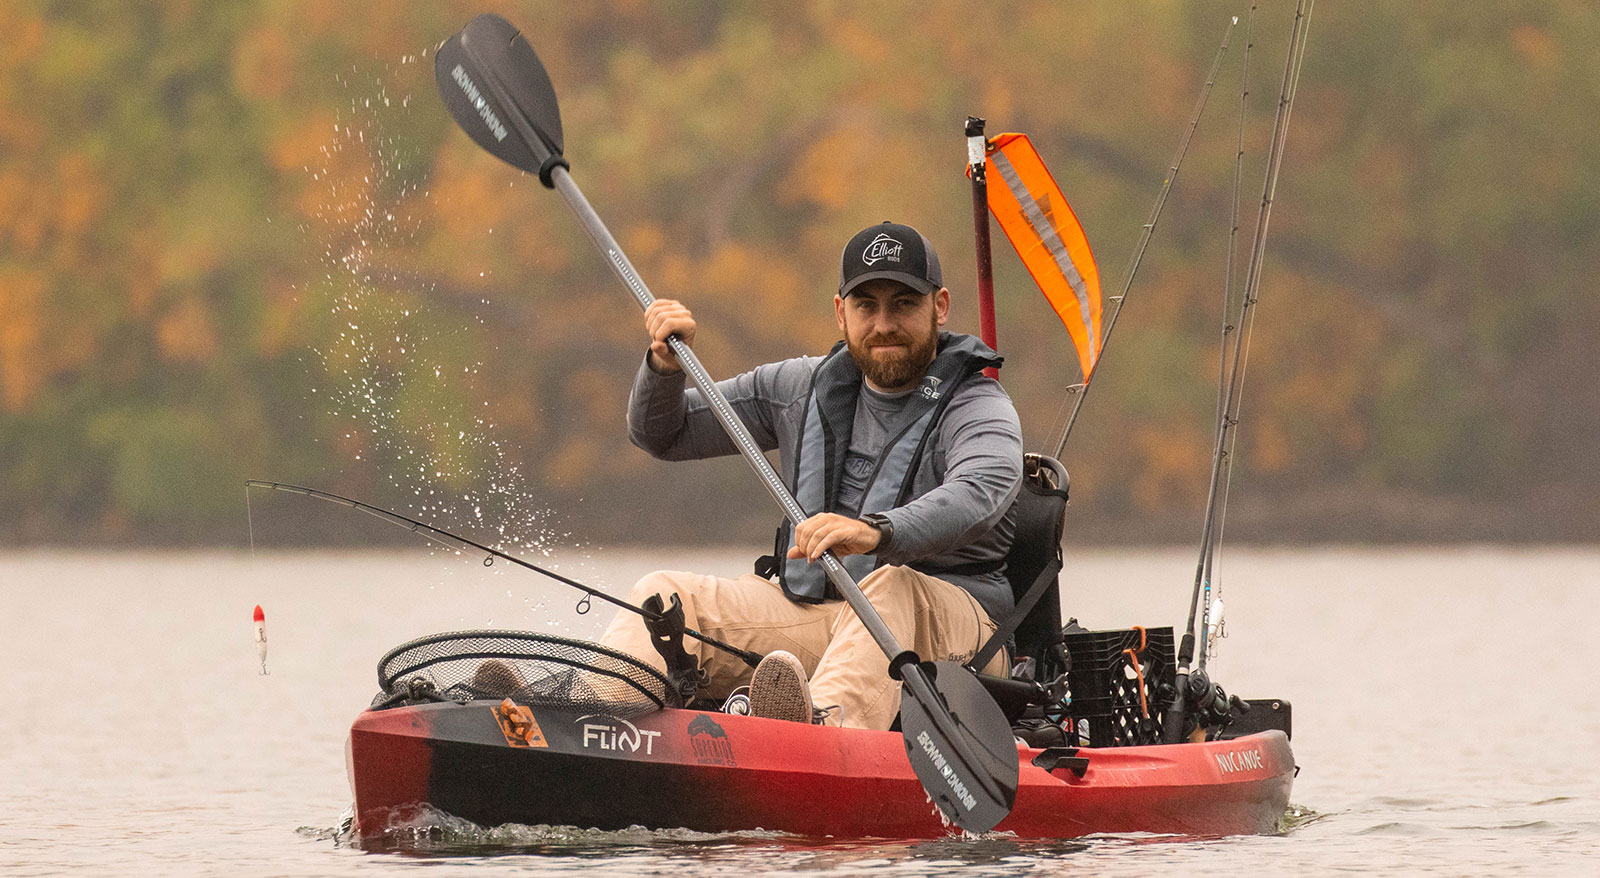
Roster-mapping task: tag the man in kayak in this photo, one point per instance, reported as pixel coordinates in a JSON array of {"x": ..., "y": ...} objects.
[{"x": 913, "y": 456}]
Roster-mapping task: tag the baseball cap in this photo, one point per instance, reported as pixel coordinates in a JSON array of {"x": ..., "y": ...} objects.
[{"x": 893, "y": 251}]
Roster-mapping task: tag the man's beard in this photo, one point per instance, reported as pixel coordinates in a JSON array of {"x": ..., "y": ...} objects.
[{"x": 896, "y": 370}]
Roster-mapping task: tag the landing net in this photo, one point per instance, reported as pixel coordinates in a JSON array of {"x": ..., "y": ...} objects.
[{"x": 539, "y": 670}]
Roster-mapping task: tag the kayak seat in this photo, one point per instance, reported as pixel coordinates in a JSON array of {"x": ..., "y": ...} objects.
[
  {"x": 1033, "y": 568},
  {"x": 1035, "y": 552}
]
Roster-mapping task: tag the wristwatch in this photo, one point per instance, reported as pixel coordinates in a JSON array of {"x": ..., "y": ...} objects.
[{"x": 883, "y": 524}]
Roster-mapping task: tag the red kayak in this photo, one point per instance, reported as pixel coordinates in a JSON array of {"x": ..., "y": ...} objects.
[{"x": 501, "y": 762}]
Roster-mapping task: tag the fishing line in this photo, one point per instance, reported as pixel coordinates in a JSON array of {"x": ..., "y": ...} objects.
[
  {"x": 1078, "y": 391},
  {"x": 249, "y": 522}
]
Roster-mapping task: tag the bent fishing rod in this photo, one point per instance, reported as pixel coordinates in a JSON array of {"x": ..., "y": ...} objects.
[
  {"x": 455, "y": 541},
  {"x": 1221, "y": 469},
  {"x": 1081, "y": 389}
]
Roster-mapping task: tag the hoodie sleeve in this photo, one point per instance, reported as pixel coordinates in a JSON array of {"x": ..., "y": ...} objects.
[{"x": 672, "y": 421}]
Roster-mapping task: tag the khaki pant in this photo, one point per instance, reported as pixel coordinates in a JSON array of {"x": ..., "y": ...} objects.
[{"x": 847, "y": 669}]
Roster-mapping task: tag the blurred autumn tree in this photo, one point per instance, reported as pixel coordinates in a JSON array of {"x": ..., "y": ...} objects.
[{"x": 244, "y": 240}]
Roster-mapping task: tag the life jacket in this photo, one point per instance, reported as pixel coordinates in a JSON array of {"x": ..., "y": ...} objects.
[{"x": 815, "y": 471}]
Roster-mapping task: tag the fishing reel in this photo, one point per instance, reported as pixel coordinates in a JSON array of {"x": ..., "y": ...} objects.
[{"x": 1208, "y": 706}]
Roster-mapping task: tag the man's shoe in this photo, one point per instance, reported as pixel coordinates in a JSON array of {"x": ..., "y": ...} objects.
[{"x": 778, "y": 689}]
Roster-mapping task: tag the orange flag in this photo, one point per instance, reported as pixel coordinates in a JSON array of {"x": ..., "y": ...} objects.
[{"x": 1038, "y": 221}]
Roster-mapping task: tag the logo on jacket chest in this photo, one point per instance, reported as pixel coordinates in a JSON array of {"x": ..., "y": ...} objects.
[
  {"x": 859, "y": 466},
  {"x": 930, "y": 388}
]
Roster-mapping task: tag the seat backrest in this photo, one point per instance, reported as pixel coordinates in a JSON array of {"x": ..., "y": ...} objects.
[{"x": 1041, "y": 516}]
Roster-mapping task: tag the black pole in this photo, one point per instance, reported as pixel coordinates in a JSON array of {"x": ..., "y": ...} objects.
[{"x": 977, "y": 161}]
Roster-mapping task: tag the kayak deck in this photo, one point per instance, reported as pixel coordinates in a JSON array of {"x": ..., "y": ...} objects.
[{"x": 715, "y": 772}]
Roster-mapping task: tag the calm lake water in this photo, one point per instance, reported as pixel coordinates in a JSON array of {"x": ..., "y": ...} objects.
[{"x": 1447, "y": 717}]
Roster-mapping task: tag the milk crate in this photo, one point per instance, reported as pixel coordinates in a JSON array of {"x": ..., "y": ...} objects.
[{"x": 1120, "y": 683}]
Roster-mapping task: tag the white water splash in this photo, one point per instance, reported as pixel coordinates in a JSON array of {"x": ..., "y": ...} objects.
[
  {"x": 398, "y": 371},
  {"x": 424, "y": 828}
]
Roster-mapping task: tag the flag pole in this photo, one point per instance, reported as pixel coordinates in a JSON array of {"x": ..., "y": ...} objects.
[{"x": 976, "y": 157}]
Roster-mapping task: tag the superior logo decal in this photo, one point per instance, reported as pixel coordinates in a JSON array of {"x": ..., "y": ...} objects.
[
  {"x": 1235, "y": 761},
  {"x": 710, "y": 742},
  {"x": 949, "y": 775},
  {"x": 617, "y": 735},
  {"x": 486, "y": 112},
  {"x": 882, "y": 247}
]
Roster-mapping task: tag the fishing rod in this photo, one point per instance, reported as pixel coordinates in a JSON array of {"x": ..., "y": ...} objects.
[
  {"x": 1081, "y": 389},
  {"x": 456, "y": 542},
  {"x": 1204, "y": 568},
  {"x": 1223, "y": 448}
]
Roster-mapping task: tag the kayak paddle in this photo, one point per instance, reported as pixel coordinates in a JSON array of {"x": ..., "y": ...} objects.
[{"x": 957, "y": 740}]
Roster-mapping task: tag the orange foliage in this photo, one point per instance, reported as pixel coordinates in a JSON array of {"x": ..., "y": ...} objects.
[
  {"x": 828, "y": 173},
  {"x": 1271, "y": 451},
  {"x": 21, "y": 369},
  {"x": 1535, "y": 46},
  {"x": 305, "y": 144},
  {"x": 186, "y": 333},
  {"x": 1173, "y": 471},
  {"x": 79, "y": 197},
  {"x": 25, "y": 37},
  {"x": 263, "y": 63},
  {"x": 860, "y": 39}
]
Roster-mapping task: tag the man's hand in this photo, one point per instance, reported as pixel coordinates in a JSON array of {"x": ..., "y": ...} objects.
[
  {"x": 845, "y": 536},
  {"x": 663, "y": 319}
]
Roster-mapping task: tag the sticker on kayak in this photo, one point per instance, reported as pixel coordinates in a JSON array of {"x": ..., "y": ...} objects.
[
  {"x": 616, "y": 735},
  {"x": 1235, "y": 761},
  {"x": 518, "y": 725},
  {"x": 710, "y": 742}
]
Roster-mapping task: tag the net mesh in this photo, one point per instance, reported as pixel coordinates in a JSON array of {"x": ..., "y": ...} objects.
[{"x": 539, "y": 670}]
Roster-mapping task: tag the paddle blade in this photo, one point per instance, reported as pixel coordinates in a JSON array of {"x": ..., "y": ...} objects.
[
  {"x": 496, "y": 89},
  {"x": 961, "y": 746}
]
